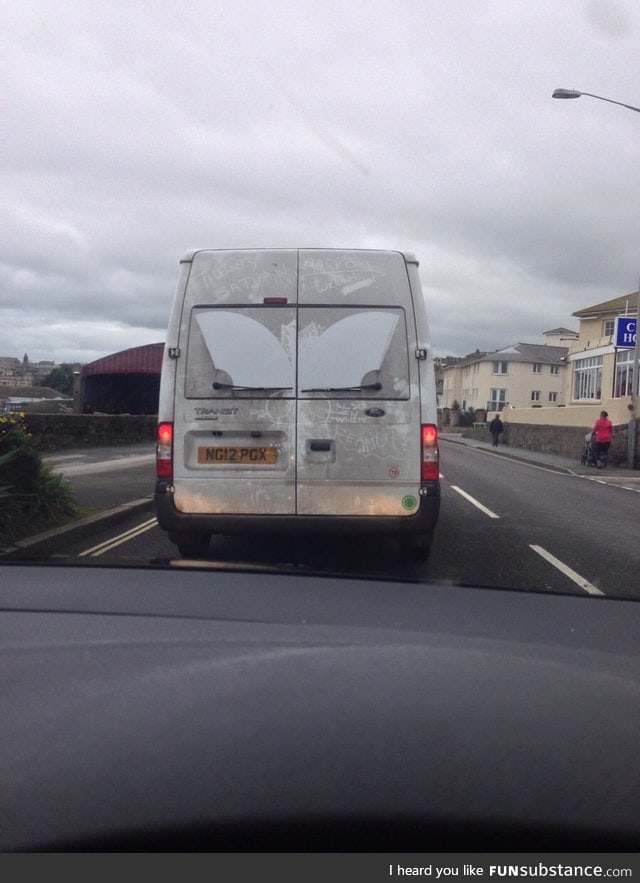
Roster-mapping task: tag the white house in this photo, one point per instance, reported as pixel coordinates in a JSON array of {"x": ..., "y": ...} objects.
[{"x": 522, "y": 375}]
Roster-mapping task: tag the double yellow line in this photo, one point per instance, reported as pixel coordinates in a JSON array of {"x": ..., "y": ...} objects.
[{"x": 112, "y": 543}]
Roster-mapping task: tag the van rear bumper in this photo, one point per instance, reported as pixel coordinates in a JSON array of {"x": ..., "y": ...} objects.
[{"x": 420, "y": 523}]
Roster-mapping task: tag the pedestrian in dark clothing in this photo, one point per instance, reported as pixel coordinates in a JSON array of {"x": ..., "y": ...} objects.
[
  {"x": 495, "y": 428},
  {"x": 602, "y": 436}
]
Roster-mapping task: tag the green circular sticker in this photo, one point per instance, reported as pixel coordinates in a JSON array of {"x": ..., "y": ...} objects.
[{"x": 409, "y": 502}]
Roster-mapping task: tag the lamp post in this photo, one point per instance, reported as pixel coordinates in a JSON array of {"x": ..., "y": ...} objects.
[
  {"x": 635, "y": 387},
  {"x": 573, "y": 93}
]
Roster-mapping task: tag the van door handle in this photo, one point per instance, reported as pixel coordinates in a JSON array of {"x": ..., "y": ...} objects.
[{"x": 320, "y": 445}]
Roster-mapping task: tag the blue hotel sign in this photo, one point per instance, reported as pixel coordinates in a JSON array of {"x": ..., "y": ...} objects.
[{"x": 626, "y": 331}]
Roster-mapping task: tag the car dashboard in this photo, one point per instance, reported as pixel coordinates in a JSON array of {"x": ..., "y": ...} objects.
[{"x": 172, "y": 709}]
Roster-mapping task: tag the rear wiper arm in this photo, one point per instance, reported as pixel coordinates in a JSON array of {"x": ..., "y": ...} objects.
[
  {"x": 375, "y": 386},
  {"x": 217, "y": 385}
]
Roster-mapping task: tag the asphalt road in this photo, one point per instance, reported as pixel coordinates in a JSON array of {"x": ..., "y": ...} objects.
[
  {"x": 103, "y": 477},
  {"x": 503, "y": 523},
  {"x": 536, "y": 525}
]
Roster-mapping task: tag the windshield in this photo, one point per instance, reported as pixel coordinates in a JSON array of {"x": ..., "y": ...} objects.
[
  {"x": 319, "y": 436},
  {"x": 330, "y": 288}
]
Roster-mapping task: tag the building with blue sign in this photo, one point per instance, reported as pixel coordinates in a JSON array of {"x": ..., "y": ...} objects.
[{"x": 601, "y": 360}]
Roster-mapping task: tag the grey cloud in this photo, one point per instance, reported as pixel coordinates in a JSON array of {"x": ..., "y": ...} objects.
[{"x": 427, "y": 127}]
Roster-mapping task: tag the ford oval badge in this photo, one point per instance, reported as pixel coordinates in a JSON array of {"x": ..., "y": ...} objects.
[{"x": 375, "y": 412}]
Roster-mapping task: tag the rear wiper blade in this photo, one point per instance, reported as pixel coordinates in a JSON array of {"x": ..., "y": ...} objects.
[
  {"x": 217, "y": 385},
  {"x": 375, "y": 386}
]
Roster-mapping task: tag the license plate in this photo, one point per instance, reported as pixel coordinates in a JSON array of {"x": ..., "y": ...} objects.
[{"x": 251, "y": 455}]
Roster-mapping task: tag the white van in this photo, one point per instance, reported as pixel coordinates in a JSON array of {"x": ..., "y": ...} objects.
[{"x": 298, "y": 394}]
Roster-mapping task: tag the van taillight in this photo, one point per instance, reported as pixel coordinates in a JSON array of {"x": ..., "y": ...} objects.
[
  {"x": 430, "y": 467},
  {"x": 164, "y": 451}
]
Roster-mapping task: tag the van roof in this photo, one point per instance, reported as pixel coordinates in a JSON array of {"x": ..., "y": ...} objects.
[{"x": 408, "y": 256}]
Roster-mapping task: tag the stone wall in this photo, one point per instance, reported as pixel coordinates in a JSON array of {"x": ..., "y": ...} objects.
[
  {"x": 53, "y": 431},
  {"x": 567, "y": 440}
]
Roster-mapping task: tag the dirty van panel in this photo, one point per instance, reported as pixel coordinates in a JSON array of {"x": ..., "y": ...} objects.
[
  {"x": 243, "y": 277},
  {"x": 236, "y": 456},
  {"x": 352, "y": 277},
  {"x": 357, "y": 458}
]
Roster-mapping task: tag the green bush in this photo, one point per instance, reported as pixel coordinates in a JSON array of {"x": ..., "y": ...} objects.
[
  {"x": 32, "y": 496},
  {"x": 467, "y": 417}
]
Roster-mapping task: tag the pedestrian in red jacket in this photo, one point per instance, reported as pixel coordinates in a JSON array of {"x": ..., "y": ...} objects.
[{"x": 602, "y": 436}]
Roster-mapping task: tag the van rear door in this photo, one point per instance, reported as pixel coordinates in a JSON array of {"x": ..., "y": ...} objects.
[
  {"x": 235, "y": 406},
  {"x": 358, "y": 426}
]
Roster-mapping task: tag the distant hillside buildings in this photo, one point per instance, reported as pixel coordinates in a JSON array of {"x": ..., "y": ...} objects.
[
  {"x": 16, "y": 372},
  {"x": 126, "y": 382}
]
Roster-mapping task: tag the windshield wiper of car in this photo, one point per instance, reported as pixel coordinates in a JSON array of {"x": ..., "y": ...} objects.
[
  {"x": 374, "y": 386},
  {"x": 217, "y": 385}
]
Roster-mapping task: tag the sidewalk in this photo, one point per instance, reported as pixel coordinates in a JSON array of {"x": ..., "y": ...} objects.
[{"x": 559, "y": 462}]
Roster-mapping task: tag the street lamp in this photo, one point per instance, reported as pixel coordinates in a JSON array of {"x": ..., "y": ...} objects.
[
  {"x": 573, "y": 93},
  {"x": 635, "y": 380}
]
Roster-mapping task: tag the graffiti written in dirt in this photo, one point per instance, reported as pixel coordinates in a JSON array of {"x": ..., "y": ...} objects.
[
  {"x": 380, "y": 443},
  {"x": 245, "y": 277},
  {"x": 275, "y": 413}
]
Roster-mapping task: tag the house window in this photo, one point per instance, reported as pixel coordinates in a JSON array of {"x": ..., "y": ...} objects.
[
  {"x": 498, "y": 400},
  {"x": 535, "y": 395},
  {"x": 554, "y": 369},
  {"x": 587, "y": 378},
  {"x": 537, "y": 368},
  {"x": 608, "y": 327},
  {"x": 623, "y": 376},
  {"x": 553, "y": 397},
  {"x": 499, "y": 368}
]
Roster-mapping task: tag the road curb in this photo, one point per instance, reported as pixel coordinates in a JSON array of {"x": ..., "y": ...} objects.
[
  {"x": 48, "y": 540},
  {"x": 553, "y": 467}
]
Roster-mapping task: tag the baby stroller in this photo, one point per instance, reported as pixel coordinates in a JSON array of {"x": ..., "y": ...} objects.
[{"x": 589, "y": 453}]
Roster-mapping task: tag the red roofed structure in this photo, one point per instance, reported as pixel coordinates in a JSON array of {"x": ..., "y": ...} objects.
[
  {"x": 127, "y": 382},
  {"x": 139, "y": 360}
]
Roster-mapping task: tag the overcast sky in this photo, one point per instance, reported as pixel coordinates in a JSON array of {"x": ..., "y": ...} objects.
[{"x": 140, "y": 129}]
